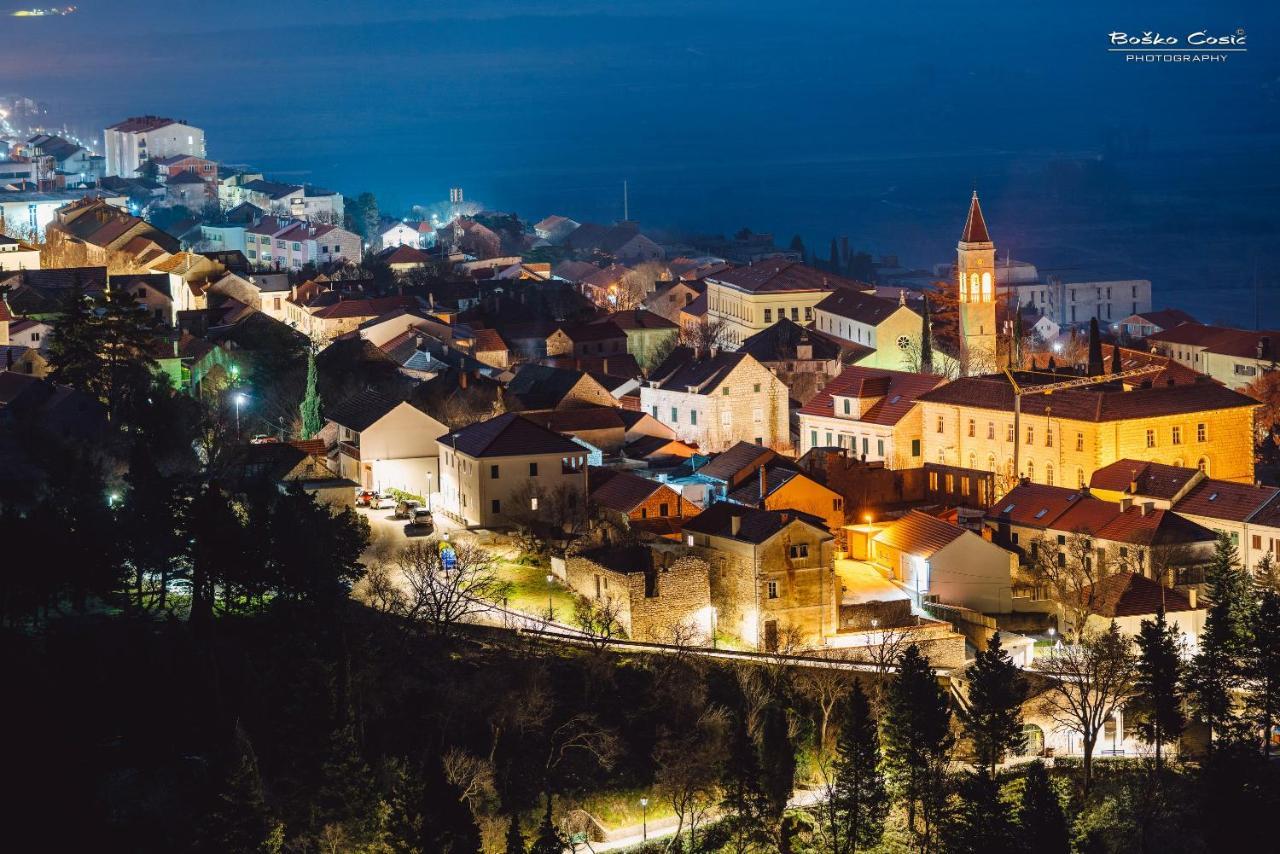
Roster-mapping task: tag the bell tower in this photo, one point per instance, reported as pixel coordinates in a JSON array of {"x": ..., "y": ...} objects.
[{"x": 976, "y": 279}]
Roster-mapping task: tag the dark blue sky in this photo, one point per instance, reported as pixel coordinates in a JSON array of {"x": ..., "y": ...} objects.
[{"x": 872, "y": 120}]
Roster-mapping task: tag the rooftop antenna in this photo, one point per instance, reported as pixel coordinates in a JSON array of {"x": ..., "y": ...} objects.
[{"x": 626, "y": 207}]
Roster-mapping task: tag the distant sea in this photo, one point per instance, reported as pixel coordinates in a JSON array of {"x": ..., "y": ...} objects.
[{"x": 874, "y": 123}]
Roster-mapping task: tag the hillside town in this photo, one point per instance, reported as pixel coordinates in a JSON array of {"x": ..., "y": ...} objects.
[{"x": 222, "y": 392}]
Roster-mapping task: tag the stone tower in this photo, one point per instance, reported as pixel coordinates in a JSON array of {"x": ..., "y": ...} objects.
[{"x": 976, "y": 278}]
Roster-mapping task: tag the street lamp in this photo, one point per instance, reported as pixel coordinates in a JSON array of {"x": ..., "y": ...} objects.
[
  {"x": 715, "y": 619},
  {"x": 644, "y": 819},
  {"x": 112, "y": 499},
  {"x": 240, "y": 399},
  {"x": 551, "y": 611}
]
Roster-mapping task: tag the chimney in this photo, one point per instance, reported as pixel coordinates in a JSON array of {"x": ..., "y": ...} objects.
[
  {"x": 1125, "y": 504},
  {"x": 764, "y": 486},
  {"x": 735, "y": 524},
  {"x": 714, "y": 350},
  {"x": 1133, "y": 487},
  {"x": 1148, "y": 507},
  {"x": 1191, "y": 598}
]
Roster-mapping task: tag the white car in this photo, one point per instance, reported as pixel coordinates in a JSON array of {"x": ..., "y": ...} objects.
[{"x": 382, "y": 502}]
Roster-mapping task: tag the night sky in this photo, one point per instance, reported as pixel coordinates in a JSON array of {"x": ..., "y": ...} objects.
[{"x": 871, "y": 120}]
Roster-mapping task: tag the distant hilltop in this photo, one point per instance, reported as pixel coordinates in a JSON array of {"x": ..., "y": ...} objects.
[{"x": 43, "y": 13}]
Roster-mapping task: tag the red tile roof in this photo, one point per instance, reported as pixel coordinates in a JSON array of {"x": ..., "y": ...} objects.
[
  {"x": 897, "y": 390},
  {"x": 1128, "y": 594},
  {"x": 625, "y": 492},
  {"x": 489, "y": 341},
  {"x": 919, "y": 534},
  {"x": 1221, "y": 499},
  {"x": 1154, "y": 480},
  {"x": 637, "y": 319},
  {"x": 780, "y": 274},
  {"x": 1106, "y": 402},
  {"x": 1034, "y": 504},
  {"x": 509, "y": 435},
  {"x": 364, "y": 307},
  {"x": 138, "y": 124},
  {"x": 855, "y": 305}
]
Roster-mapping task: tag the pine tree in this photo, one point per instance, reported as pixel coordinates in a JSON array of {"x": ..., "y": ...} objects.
[
  {"x": 312, "y": 422},
  {"x": 1266, "y": 575},
  {"x": 1262, "y": 667},
  {"x": 1095, "y": 349},
  {"x": 1216, "y": 669},
  {"x": 981, "y": 824},
  {"x": 127, "y": 344},
  {"x": 1116, "y": 366},
  {"x": 240, "y": 819},
  {"x": 916, "y": 736},
  {"x": 1041, "y": 821},
  {"x": 926, "y": 338},
  {"x": 1157, "y": 705},
  {"x": 859, "y": 801},
  {"x": 548, "y": 839},
  {"x": 993, "y": 719},
  {"x": 75, "y": 357},
  {"x": 515, "y": 839}
]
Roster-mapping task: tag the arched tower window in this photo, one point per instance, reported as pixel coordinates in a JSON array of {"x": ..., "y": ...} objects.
[
  {"x": 1048, "y": 474},
  {"x": 973, "y": 287},
  {"x": 991, "y": 463},
  {"x": 986, "y": 287},
  {"x": 1031, "y": 470},
  {"x": 964, "y": 294}
]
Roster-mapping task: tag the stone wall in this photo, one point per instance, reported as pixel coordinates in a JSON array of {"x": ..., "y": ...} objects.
[{"x": 678, "y": 594}]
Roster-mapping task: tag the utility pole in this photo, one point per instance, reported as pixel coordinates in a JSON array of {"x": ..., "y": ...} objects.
[{"x": 626, "y": 206}]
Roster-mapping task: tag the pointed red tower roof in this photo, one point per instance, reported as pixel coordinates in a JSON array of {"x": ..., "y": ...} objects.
[{"x": 975, "y": 227}]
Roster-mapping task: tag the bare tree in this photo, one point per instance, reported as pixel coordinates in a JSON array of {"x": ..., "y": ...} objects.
[
  {"x": 704, "y": 335},
  {"x": 688, "y": 771},
  {"x": 598, "y": 619},
  {"x": 472, "y": 775},
  {"x": 1091, "y": 680},
  {"x": 1071, "y": 573},
  {"x": 582, "y": 734},
  {"x": 825, "y": 687},
  {"x": 442, "y": 597}
]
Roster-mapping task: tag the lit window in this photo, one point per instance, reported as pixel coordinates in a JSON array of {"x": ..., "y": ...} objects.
[
  {"x": 972, "y": 427},
  {"x": 846, "y": 406},
  {"x": 1048, "y": 437},
  {"x": 991, "y": 430},
  {"x": 1079, "y": 441},
  {"x": 773, "y": 589},
  {"x": 1031, "y": 435},
  {"x": 941, "y": 426},
  {"x": 1151, "y": 438},
  {"x": 1031, "y": 470},
  {"x": 1177, "y": 435},
  {"x": 1202, "y": 432},
  {"x": 799, "y": 550},
  {"x": 1048, "y": 474}
]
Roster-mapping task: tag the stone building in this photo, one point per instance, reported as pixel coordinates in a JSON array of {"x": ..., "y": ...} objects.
[
  {"x": 749, "y": 299},
  {"x": 1064, "y": 437},
  {"x": 874, "y": 413},
  {"x": 658, "y": 594},
  {"x": 716, "y": 399},
  {"x": 772, "y": 579}
]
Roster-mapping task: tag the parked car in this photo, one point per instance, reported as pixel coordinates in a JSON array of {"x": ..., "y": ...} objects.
[
  {"x": 406, "y": 507},
  {"x": 364, "y": 497},
  {"x": 382, "y": 502},
  {"x": 420, "y": 524}
]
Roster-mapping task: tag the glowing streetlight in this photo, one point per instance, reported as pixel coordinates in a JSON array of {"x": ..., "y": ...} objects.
[
  {"x": 112, "y": 499},
  {"x": 239, "y": 400},
  {"x": 644, "y": 819},
  {"x": 551, "y": 611}
]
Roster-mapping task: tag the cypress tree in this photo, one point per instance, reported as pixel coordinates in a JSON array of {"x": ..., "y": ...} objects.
[
  {"x": 548, "y": 839},
  {"x": 797, "y": 245},
  {"x": 1041, "y": 821},
  {"x": 312, "y": 423},
  {"x": 916, "y": 733},
  {"x": 859, "y": 801},
  {"x": 777, "y": 761},
  {"x": 1262, "y": 667},
  {"x": 240, "y": 819},
  {"x": 1157, "y": 706},
  {"x": 1116, "y": 366},
  {"x": 1216, "y": 669},
  {"x": 515, "y": 839},
  {"x": 1095, "y": 349},
  {"x": 926, "y": 338},
  {"x": 834, "y": 263},
  {"x": 993, "y": 720},
  {"x": 744, "y": 802},
  {"x": 981, "y": 824}
]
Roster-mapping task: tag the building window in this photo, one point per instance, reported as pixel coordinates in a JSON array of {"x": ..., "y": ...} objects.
[
  {"x": 768, "y": 315},
  {"x": 808, "y": 313},
  {"x": 940, "y": 424},
  {"x": 1031, "y": 435},
  {"x": 756, "y": 388},
  {"x": 772, "y": 588},
  {"x": 493, "y": 472},
  {"x": 1151, "y": 438},
  {"x": 1203, "y": 465},
  {"x": 533, "y": 469},
  {"x": 1031, "y": 470},
  {"x": 725, "y": 391},
  {"x": 675, "y": 415},
  {"x": 846, "y": 406},
  {"x": 1177, "y": 435},
  {"x": 973, "y": 426},
  {"x": 1080, "y": 478},
  {"x": 799, "y": 550},
  {"x": 1202, "y": 432},
  {"x": 1010, "y": 432},
  {"x": 991, "y": 430},
  {"x": 497, "y": 505},
  {"x": 533, "y": 503},
  {"x": 837, "y": 504},
  {"x": 813, "y": 438},
  {"x": 655, "y": 410},
  {"x": 1079, "y": 441},
  {"x": 880, "y": 448},
  {"x": 1048, "y": 437},
  {"x": 693, "y": 417},
  {"x": 662, "y": 509},
  {"x": 973, "y": 460},
  {"x": 915, "y": 447},
  {"x": 1048, "y": 474},
  {"x": 1257, "y": 541}
]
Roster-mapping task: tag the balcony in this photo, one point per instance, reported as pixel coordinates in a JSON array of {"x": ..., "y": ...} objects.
[{"x": 351, "y": 449}]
